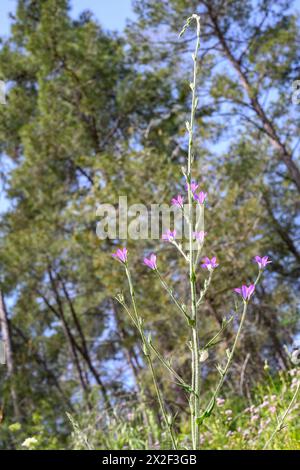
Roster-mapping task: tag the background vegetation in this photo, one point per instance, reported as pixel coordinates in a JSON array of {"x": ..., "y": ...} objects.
[{"x": 92, "y": 115}]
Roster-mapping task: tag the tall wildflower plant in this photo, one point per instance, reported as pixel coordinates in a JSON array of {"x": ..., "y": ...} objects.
[{"x": 199, "y": 411}]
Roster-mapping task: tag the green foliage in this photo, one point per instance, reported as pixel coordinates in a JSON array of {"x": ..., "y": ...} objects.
[
  {"x": 237, "y": 423},
  {"x": 92, "y": 115}
]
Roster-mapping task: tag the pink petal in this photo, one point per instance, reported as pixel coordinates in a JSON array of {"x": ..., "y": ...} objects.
[
  {"x": 244, "y": 292},
  {"x": 251, "y": 289}
]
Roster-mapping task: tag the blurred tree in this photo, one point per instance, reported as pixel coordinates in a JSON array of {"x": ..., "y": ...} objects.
[
  {"x": 247, "y": 148},
  {"x": 92, "y": 116},
  {"x": 76, "y": 115}
]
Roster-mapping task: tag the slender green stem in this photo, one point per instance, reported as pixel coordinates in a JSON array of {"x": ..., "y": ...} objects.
[
  {"x": 129, "y": 314},
  {"x": 223, "y": 372},
  {"x": 195, "y": 405},
  {"x": 283, "y": 417},
  {"x": 205, "y": 289},
  {"x": 170, "y": 292},
  {"x": 229, "y": 360},
  {"x": 154, "y": 349},
  {"x": 167, "y": 365},
  {"x": 147, "y": 352},
  {"x": 179, "y": 248},
  {"x": 212, "y": 341}
]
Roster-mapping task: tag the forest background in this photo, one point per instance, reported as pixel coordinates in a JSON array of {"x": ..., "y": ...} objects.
[{"x": 95, "y": 111}]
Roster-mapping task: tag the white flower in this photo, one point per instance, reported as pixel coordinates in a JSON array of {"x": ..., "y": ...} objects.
[{"x": 29, "y": 442}]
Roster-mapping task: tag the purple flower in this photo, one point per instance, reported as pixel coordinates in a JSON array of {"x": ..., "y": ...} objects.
[
  {"x": 262, "y": 262},
  {"x": 200, "y": 197},
  {"x": 169, "y": 236},
  {"x": 177, "y": 201},
  {"x": 245, "y": 291},
  {"x": 151, "y": 261},
  {"x": 193, "y": 185},
  {"x": 199, "y": 236},
  {"x": 121, "y": 255},
  {"x": 209, "y": 263}
]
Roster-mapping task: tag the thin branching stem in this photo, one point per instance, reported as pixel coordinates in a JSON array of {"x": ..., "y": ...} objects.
[
  {"x": 195, "y": 397},
  {"x": 223, "y": 372},
  {"x": 170, "y": 292},
  {"x": 147, "y": 352},
  {"x": 230, "y": 357},
  {"x": 205, "y": 289},
  {"x": 281, "y": 420},
  {"x": 179, "y": 248},
  {"x": 167, "y": 365},
  {"x": 212, "y": 341}
]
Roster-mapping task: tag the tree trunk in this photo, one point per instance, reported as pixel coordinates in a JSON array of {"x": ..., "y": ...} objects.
[{"x": 6, "y": 336}]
